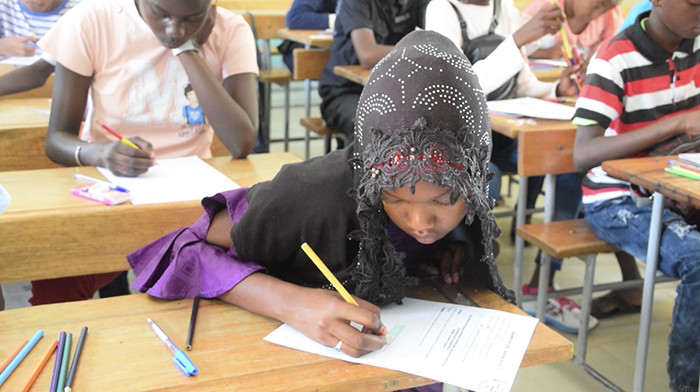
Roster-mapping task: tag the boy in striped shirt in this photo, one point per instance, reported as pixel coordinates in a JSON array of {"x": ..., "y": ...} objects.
[{"x": 641, "y": 92}]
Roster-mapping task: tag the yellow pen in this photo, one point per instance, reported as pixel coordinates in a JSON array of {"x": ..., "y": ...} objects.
[{"x": 327, "y": 273}]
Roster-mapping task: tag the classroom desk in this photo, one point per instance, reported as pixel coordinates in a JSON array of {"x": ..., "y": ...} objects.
[
  {"x": 23, "y": 125},
  {"x": 122, "y": 353},
  {"x": 354, "y": 73},
  {"x": 548, "y": 74},
  {"x": 649, "y": 173},
  {"x": 47, "y": 232},
  {"x": 318, "y": 38}
]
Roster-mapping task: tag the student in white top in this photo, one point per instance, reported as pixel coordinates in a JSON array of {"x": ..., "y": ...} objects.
[{"x": 505, "y": 62}]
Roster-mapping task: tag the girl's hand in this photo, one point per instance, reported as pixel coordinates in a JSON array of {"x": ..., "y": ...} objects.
[
  {"x": 547, "y": 21},
  {"x": 203, "y": 34},
  {"x": 324, "y": 316},
  {"x": 18, "y": 46},
  {"x": 126, "y": 161},
  {"x": 448, "y": 262},
  {"x": 567, "y": 84}
]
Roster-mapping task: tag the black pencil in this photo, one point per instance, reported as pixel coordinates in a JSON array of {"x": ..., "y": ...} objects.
[
  {"x": 76, "y": 357},
  {"x": 193, "y": 321}
]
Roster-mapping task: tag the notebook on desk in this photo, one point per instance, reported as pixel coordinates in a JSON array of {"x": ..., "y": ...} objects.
[
  {"x": 174, "y": 179},
  {"x": 532, "y": 107}
]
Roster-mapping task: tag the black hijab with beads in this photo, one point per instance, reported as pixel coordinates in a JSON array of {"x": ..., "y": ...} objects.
[{"x": 422, "y": 116}]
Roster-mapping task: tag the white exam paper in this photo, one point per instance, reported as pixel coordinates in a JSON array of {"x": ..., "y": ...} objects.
[
  {"x": 532, "y": 107},
  {"x": 174, "y": 179},
  {"x": 20, "y": 60},
  {"x": 473, "y": 348}
]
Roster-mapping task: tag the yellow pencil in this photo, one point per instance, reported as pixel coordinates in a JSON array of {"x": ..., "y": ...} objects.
[{"x": 327, "y": 273}]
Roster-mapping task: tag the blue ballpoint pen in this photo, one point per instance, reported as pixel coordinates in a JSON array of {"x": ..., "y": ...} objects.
[{"x": 179, "y": 356}]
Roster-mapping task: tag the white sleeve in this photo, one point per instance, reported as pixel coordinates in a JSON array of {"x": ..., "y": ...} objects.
[
  {"x": 501, "y": 65},
  {"x": 441, "y": 18}
]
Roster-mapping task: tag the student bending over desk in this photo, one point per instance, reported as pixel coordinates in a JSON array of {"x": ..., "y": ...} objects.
[
  {"x": 410, "y": 194},
  {"x": 136, "y": 60},
  {"x": 628, "y": 108}
]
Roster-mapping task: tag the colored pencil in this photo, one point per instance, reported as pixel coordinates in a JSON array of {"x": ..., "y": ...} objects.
[
  {"x": 14, "y": 354},
  {"x": 64, "y": 363},
  {"x": 40, "y": 366},
  {"x": 20, "y": 356},
  {"x": 76, "y": 358},
  {"x": 327, "y": 273},
  {"x": 57, "y": 362},
  {"x": 120, "y": 137},
  {"x": 679, "y": 171},
  {"x": 193, "y": 321}
]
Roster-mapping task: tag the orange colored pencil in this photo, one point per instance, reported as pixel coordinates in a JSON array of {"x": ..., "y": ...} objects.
[
  {"x": 7, "y": 362},
  {"x": 40, "y": 366}
]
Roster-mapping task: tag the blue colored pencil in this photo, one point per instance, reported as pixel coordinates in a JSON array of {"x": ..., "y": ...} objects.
[
  {"x": 20, "y": 356},
  {"x": 57, "y": 363}
]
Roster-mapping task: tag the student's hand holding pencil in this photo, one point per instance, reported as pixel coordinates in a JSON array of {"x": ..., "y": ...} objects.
[
  {"x": 127, "y": 157},
  {"x": 324, "y": 316},
  {"x": 547, "y": 21},
  {"x": 568, "y": 82}
]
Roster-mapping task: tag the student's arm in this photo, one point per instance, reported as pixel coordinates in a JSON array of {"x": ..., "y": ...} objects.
[
  {"x": 18, "y": 46},
  {"x": 25, "y": 78},
  {"x": 230, "y": 107},
  {"x": 591, "y": 147},
  {"x": 69, "y": 98},
  {"x": 368, "y": 50},
  {"x": 322, "y": 315}
]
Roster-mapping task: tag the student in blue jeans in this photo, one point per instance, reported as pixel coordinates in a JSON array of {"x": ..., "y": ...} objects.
[{"x": 641, "y": 95}]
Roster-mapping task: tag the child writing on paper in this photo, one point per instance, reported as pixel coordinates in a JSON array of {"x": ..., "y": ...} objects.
[
  {"x": 409, "y": 194},
  {"x": 22, "y": 23},
  {"x": 134, "y": 59},
  {"x": 628, "y": 108}
]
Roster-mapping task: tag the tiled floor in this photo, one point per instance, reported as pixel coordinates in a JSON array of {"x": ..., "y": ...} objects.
[{"x": 612, "y": 344}]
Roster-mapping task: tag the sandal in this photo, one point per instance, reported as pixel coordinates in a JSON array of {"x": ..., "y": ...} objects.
[{"x": 612, "y": 304}]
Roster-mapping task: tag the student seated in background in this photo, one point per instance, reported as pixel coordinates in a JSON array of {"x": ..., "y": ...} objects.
[
  {"x": 587, "y": 24},
  {"x": 409, "y": 195},
  {"x": 22, "y": 23},
  {"x": 365, "y": 31},
  {"x": 306, "y": 15},
  {"x": 506, "y": 62},
  {"x": 135, "y": 60},
  {"x": 627, "y": 108}
]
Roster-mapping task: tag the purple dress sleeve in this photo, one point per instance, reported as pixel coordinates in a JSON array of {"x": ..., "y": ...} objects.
[{"x": 183, "y": 265}]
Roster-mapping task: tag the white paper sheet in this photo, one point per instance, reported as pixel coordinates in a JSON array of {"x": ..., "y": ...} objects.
[
  {"x": 693, "y": 157},
  {"x": 532, "y": 107},
  {"x": 175, "y": 179},
  {"x": 473, "y": 348},
  {"x": 20, "y": 60}
]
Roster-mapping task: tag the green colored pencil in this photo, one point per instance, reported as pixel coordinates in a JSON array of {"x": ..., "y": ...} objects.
[{"x": 64, "y": 363}]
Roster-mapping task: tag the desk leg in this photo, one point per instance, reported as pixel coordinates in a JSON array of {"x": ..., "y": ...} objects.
[
  {"x": 519, "y": 243},
  {"x": 550, "y": 189},
  {"x": 640, "y": 362}
]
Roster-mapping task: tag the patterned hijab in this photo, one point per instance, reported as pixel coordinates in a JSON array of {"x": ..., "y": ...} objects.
[{"x": 422, "y": 116}]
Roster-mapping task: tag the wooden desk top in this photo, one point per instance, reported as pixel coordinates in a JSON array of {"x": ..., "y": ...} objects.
[
  {"x": 513, "y": 126},
  {"x": 548, "y": 74},
  {"x": 22, "y": 113},
  {"x": 319, "y": 38},
  {"x": 122, "y": 353},
  {"x": 354, "y": 73},
  {"x": 44, "y": 221},
  {"x": 649, "y": 173}
]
